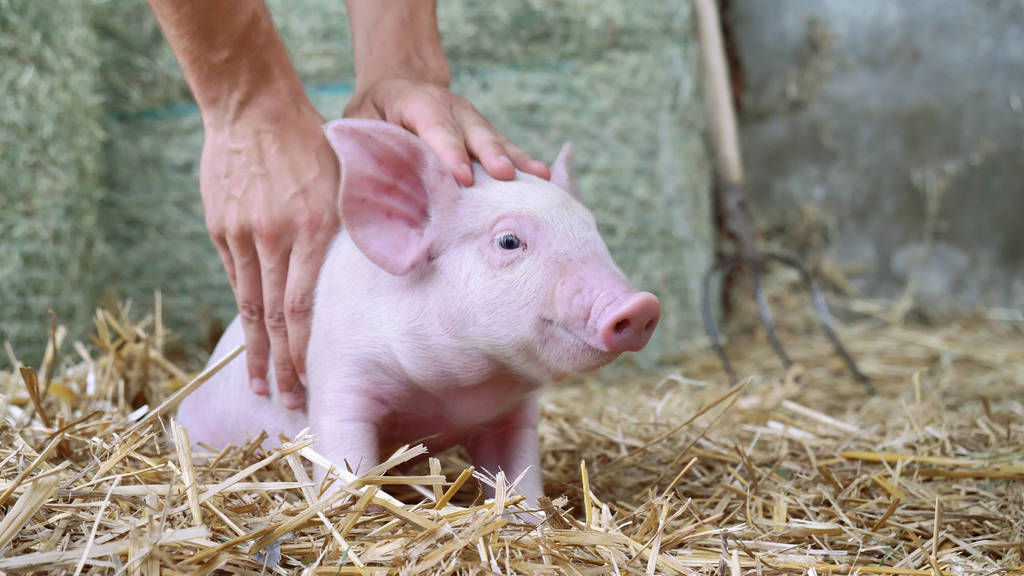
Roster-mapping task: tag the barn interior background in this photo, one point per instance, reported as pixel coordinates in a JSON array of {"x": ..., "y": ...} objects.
[
  {"x": 883, "y": 142},
  {"x": 900, "y": 139},
  {"x": 101, "y": 146}
]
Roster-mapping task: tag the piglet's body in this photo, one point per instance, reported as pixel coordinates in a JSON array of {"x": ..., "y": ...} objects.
[{"x": 439, "y": 313}]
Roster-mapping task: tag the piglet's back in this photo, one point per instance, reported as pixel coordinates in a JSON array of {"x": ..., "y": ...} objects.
[{"x": 224, "y": 410}]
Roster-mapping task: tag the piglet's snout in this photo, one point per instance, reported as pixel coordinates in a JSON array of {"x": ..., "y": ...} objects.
[{"x": 628, "y": 324}]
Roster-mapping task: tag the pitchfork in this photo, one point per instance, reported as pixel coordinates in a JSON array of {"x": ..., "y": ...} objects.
[{"x": 737, "y": 220}]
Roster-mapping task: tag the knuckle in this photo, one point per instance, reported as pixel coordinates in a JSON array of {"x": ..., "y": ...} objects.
[
  {"x": 518, "y": 153},
  {"x": 493, "y": 145},
  {"x": 216, "y": 229},
  {"x": 327, "y": 229},
  {"x": 236, "y": 233},
  {"x": 315, "y": 224},
  {"x": 250, "y": 311},
  {"x": 451, "y": 136},
  {"x": 299, "y": 306},
  {"x": 433, "y": 92},
  {"x": 275, "y": 319},
  {"x": 421, "y": 107},
  {"x": 219, "y": 237},
  {"x": 270, "y": 229}
]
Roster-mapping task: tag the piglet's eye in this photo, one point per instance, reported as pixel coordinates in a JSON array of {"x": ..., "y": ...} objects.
[{"x": 509, "y": 241}]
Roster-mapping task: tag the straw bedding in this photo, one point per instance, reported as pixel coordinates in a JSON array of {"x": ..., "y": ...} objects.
[{"x": 787, "y": 472}]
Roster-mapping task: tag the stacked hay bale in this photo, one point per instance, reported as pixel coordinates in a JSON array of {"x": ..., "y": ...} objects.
[
  {"x": 152, "y": 212},
  {"x": 50, "y": 165},
  {"x": 614, "y": 77}
]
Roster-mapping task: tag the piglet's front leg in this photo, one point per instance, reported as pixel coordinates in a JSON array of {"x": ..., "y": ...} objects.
[
  {"x": 510, "y": 444},
  {"x": 346, "y": 428}
]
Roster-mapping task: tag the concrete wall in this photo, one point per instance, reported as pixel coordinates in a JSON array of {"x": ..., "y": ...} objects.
[{"x": 880, "y": 111}]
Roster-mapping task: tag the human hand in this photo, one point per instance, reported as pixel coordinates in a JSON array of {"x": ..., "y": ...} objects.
[
  {"x": 269, "y": 183},
  {"x": 268, "y": 177},
  {"x": 449, "y": 124},
  {"x": 402, "y": 77}
]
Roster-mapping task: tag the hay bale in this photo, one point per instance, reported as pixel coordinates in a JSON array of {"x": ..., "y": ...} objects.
[
  {"x": 142, "y": 75},
  {"x": 139, "y": 70},
  {"x": 50, "y": 165},
  {"x": 153, "y": 222}
]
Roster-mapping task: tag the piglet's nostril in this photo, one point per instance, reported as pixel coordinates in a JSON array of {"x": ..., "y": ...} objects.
[
  {"x": 649, "y": 327},
  {"x": 622, "y": 325}
]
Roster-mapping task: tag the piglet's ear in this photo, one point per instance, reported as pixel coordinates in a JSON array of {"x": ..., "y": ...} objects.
[
  {"x": 562, "y": 172},
  {"x": 391, "y": 183}
]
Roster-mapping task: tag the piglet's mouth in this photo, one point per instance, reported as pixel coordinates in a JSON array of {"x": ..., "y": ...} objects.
[{"x": 564, "y": 333}]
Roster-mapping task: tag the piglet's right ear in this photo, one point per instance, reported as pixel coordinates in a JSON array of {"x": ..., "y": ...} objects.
[
  {"x": 563, "y": 172},
  {"x": 391, "y": 183}
]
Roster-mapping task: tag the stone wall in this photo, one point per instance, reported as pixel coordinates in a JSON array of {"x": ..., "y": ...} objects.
[{"x": 903, "y": 121}]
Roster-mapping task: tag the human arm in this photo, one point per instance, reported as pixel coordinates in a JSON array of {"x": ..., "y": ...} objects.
[{"x": 268, "y": 177}]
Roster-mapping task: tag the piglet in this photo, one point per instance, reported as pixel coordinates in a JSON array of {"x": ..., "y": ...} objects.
[{"x": 439, "y": 313}]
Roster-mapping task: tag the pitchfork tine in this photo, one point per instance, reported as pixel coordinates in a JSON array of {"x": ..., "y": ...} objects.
[
  {"x": 766, "y": 315},
  {"x": 708, "y": 310},
  {"x": 825, "y": 318}
]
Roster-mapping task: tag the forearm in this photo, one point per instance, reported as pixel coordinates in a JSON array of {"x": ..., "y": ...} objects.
[
  {"x": 232, "y": 56},
  {"x": 397, "y": 38}
]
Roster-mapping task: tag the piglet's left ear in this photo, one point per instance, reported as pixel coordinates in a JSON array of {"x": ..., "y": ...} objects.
[
  {"x": 562, "y": 172},
  {"x": 391, "y": 184}
]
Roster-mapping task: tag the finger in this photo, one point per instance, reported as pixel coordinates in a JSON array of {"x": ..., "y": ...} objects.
[
  {"x": 483, "y": 142},
  {"x": 525, "y": 162},
  {"x": 303, "y": 270},
  {"x": 229, "y": 263},
  {"x": 274, "y": 272},
  {"x": 495, "y": 151},
  {"x": 449, "y": 146},
  {"x": 249, "y": 294},
  {"x": 437, "y": 128}
]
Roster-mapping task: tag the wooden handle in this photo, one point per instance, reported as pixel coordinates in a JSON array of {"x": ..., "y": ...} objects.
[{"x": 725, "y": 136}]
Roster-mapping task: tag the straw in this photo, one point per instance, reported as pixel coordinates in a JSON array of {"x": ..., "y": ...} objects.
[{"x": 791, "y": 472}]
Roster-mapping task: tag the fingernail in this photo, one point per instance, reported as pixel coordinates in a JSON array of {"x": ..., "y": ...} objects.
[
  {"x": 505, "y": 160},
  {"x": 259, "y": 386},
  {"x": 302, "y": 378},
  {"x": 293, "y": 400},
  {"x": 466, "y": 172}
]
